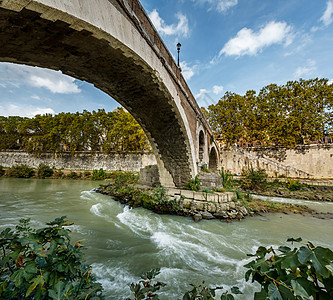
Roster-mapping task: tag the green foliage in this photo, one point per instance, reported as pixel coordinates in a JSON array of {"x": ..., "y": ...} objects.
[
  {"x": 147, "y": 287},
  {"x": 227, "y": 178},
  {"x": 254, "y": 179},
  {"x": 43, "y": 264},
  {"x": 193, "y": 184},
  {"x": 20, "y": 171},
  {"x": 86, "y": 131},
  {"x": 293, "y": 185},
  {"x": 73, "y": 175},
  {"x": 2, "y": 171},
  {"x": 98, "y": 174},
  {"x": 299, "y": 273},
  {"x": 295, "y": 113},
  {"x": 44, "y": 171},
  {"x": 58, "y": 174}
]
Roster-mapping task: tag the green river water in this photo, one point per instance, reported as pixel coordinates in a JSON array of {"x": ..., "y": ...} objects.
[{"x": 123, "y": 243}]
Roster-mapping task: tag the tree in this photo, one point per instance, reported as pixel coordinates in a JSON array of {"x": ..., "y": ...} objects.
[{"x": 295, "y": 113}]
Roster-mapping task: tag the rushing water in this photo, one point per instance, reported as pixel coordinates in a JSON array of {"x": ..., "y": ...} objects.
[{"x": 123, "y": 243}]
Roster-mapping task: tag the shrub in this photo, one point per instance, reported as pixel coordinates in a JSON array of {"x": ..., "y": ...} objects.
[
  {"x": 293, "y": 185},
  {"x": 86, "y": 174},
  {"x": 227, "y": 178},
  {"x": 21, "y": 171},
  {"x": 2, "y": 171},
  {"x": 44, "y": 171},
  {"x": 254, "y": 179},
  {"x": 299, "y": 273},
  {"x": 58, "y": 174},
  {"x": 98, "y": 174},
  {"x": 43, "y": 264},
  {"x": 73, "y": 175},
  {"x": 193, "y": 184}
]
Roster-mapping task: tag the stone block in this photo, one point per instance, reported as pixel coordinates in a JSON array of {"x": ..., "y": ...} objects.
[
  {"x": 223, "y": 197},
  {"x": 172, "y": 192},
  {"x": 199, "y": 196},
  {"x": 212, "y": 197},
  {"x": 187, "y": 194}
]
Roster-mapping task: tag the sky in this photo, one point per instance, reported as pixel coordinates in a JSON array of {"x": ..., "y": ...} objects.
[{"x": 227, "y": 45}]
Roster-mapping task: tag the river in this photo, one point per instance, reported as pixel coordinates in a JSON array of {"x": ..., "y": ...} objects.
[{"x": 123, "y": 243}]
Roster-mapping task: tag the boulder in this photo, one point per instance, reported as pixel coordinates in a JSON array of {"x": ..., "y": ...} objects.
[
  {"x": 207, "y": 215},
  {"x": 197, "y": 217},
  {"x": 221, "y": 215}
]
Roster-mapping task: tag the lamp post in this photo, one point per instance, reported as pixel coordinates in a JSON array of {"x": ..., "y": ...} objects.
[{"x": 178, "y": 50}]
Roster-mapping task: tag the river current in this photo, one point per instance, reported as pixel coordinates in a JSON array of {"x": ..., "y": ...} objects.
[{"x": 123, "y": 243}]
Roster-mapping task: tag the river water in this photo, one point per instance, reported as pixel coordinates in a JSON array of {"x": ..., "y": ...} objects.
[{"x": 123, "y": 243}]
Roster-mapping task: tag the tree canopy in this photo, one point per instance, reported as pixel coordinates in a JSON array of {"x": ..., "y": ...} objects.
[
  {"x": 287, "y": 115},
  {"x": 87, "y": 131}
]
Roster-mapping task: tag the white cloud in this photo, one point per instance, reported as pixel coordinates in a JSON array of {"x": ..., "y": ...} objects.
[
  {"x": 24, "y": 110},
  {"x": 306, "y": 70},
  {"x": 327, "y": 17},
  {"x": 187, "y": 71},
  {"x": 330, "y": 82},
  {"x": 180, "y": 29},
  {"x": 217, "y": 89},
  {"x": 55, "y": 81},
  {"x": 248, "y": 42},
  {"x": 219, "y": 5},
  {"x": 35, "y": 97},
  {"x": 201, "y": 94}
]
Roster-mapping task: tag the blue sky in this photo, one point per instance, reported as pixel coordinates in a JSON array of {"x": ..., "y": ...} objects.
[{"x": 227, "y": 45}]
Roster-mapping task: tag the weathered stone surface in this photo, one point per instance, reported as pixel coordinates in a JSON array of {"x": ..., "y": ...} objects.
[
  {"x": 221, "y": 215},
  {"x": 211, "y": 207},
  {"x": 150, "y": 175},
  {"x": 187, "y": 194},
  {"x": 232, "y": 205},
  {"x": 210, "y": 180},
  {"x": 207, "y": 215},
  {"x": 232, "y": 214},
  {"x": 187, "y": 203},
  {"x": 81, "y": 160}
]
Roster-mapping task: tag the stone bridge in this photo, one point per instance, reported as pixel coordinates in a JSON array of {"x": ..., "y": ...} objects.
[{"x": 113, "y": 45}]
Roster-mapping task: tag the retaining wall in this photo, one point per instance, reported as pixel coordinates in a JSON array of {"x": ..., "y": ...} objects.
[
  {"x": 308, "y": 161},
  {"x": 81, "y": 160}
]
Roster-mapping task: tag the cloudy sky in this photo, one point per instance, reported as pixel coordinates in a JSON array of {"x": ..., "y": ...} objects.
[{"x": 227, "y": 45}]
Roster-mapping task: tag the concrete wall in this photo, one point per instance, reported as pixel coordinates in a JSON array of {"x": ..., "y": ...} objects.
[
  {"x": 310, "y": 161},
  {"x": 81, "y": 161}
]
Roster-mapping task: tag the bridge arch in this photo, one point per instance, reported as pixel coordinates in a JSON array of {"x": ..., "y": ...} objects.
[
  {"x": 105, "y": 43},
  {"x": 213, "y": 159}
]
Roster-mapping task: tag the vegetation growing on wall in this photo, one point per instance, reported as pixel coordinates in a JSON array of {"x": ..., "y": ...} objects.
[
  {"x": 287, "y": 115},
  {"x": 93, "y": 131}
]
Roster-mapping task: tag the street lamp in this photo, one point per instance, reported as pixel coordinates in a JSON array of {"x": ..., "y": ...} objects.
[{"x": 178, "y": 50}]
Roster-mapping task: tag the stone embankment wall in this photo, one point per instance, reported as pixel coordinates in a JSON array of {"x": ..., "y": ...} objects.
[
  {"x": 81, "y": 160},
  {"x": 308, "y": 161},
  {"x": 204, "y": 205}
]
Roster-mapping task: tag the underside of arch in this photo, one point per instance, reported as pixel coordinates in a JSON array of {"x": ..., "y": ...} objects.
[{"x": 27, "y": 38}]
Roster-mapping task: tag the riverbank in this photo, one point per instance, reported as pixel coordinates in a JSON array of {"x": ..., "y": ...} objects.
[
  {"x": 226, "y": 206},
  {"x": 293, "y": 188}
]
